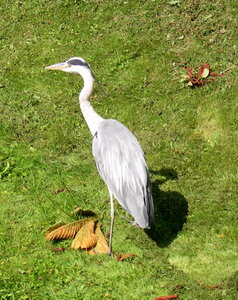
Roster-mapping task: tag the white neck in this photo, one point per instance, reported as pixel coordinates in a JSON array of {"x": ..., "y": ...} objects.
[{"x": 91, "y": 117}]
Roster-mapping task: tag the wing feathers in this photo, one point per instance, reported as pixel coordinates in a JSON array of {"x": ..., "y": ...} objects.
[{"x": 121, "y": 164}]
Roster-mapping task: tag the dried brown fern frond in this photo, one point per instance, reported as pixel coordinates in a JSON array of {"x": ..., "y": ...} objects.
[{"x": 85, "y": 238}]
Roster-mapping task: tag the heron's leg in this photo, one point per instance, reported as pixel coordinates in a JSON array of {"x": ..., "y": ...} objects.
[{"x": 112, "y": 221}]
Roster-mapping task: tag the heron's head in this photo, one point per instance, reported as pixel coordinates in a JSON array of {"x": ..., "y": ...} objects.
[
  {"x": 72, "y": 65},
  {"x": 77, "y": 65}
]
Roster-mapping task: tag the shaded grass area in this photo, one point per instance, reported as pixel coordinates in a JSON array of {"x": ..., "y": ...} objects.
[{"x": 138, "y": 50}]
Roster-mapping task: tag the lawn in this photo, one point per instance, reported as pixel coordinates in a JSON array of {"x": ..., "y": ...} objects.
[{"x": 138, "y": 50}]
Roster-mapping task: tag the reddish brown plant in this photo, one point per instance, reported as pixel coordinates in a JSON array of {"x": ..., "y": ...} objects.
[{"x": 201, "y": 77}]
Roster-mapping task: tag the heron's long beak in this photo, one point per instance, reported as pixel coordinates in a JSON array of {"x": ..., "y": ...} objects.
[{"x": 59, "y": 66}]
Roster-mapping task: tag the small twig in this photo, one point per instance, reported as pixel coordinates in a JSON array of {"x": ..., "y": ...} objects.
[
  {"x": 218, "y": 286},
  {"x": 59, "y": 249},
  {"x": 175, "y": 296},
  {"x": 59, "y": 191},
  {"x": 228, "y": 69}
]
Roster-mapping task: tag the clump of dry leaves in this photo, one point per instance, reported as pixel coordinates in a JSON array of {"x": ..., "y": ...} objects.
[
  {"x": 202, "y": 77},
  {"x": 87, "y": 235}
]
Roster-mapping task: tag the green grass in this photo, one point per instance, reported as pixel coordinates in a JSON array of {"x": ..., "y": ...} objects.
[{"x": 138, "y": 50}]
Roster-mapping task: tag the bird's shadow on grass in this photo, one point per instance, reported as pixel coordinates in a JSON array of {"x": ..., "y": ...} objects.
[{"x": 171, "y": 210}]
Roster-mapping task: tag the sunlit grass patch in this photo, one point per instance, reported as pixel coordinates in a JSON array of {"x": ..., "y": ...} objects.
[{"x": 138, "y": 51}]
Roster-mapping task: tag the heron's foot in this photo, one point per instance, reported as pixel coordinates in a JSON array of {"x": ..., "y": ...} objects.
[{"x": 132, "y": 222}]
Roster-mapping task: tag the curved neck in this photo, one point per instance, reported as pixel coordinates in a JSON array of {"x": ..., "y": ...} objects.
[{"x": 91, "y": 117}]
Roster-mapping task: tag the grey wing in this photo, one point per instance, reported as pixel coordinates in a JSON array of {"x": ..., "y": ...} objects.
[{"x": 121, "y": 164}]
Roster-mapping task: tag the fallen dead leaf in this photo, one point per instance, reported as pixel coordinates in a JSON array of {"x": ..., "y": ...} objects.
[
  {"x": 55, "y": 226},
  {"x": 85, "y": 238},
  {"x": 64, "y": 231},
  {"x": 203, "y": 71},
  {"x": 102, "y": 245},
  {"x": 87, "y": 234},
  {"x": 121, "y": 257}
]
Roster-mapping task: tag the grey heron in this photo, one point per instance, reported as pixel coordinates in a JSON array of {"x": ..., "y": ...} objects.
[{"x": 119, "y": 158}]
